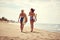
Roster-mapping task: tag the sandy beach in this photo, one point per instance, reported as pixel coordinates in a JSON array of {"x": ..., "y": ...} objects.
[{"x": 12, "y": 32}]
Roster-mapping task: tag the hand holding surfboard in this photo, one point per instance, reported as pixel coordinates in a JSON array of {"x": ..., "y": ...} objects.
[{"x": 34, "y": 17}]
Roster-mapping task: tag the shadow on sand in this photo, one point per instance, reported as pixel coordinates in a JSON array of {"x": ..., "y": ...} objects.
[{"x": 32, "y": 32}]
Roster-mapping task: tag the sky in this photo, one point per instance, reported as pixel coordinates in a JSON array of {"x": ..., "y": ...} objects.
[{"x": 48, "y": 11}]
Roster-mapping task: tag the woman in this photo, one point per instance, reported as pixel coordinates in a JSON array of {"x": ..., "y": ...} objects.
[
  {"x": 32, "y": 18},
  {"x": 22, "y": 19}
]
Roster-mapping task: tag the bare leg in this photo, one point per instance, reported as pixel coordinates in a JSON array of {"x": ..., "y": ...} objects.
[
  {"x": 21, "y": 27},
  {"x": 32, "y": 26}
]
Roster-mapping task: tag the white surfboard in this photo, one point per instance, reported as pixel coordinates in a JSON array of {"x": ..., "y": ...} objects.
[{"x": 34, "y": 17}]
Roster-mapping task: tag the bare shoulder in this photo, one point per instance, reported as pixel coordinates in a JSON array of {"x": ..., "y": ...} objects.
[
  {"x": 20, "y": 14},
  {"x": 24, "y": 13}
]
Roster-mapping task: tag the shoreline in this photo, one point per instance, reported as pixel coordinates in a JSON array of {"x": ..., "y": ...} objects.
[
  {"x": 40, "y": 28},
  {"x": 12, "y": 32}
]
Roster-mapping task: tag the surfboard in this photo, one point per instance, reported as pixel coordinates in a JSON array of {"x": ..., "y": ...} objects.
[
  {"x": 34, "y": 17},
  {"x": 24, "y": 20}
]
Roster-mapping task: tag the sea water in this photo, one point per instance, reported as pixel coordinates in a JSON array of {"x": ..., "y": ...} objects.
[{"x": 48, "y": 27}]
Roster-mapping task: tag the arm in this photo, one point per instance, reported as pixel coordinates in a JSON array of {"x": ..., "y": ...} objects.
[{"x": 19, "y": 17}]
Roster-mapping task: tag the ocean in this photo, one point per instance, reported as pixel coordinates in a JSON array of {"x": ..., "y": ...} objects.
[{"x": 48, "y": 27}]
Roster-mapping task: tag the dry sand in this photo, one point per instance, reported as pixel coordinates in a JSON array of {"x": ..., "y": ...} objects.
[{"x": 12, "y": 32}]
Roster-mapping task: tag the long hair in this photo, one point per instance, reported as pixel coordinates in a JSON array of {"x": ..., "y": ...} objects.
[{"x": 32, "y": 9}]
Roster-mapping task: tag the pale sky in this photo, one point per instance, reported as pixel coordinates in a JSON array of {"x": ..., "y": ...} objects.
[{"x": 48, "y": 11}]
